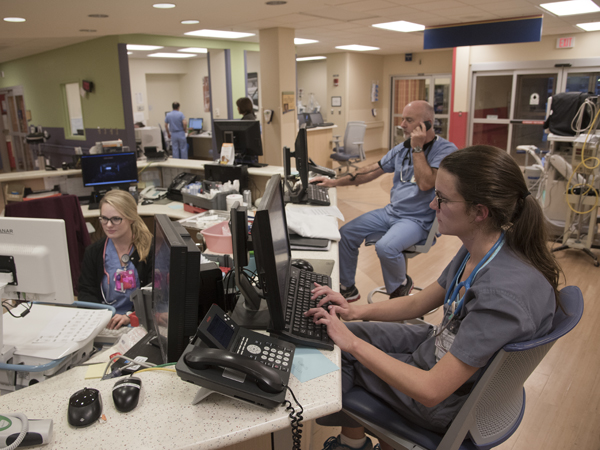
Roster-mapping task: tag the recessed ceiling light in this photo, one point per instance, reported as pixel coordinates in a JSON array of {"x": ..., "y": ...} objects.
[
  {"x": 275, "y": 3},
  {"x": 172, "y": 55},
  {"x": 590, "y": 26},
  {"x": 311, "y": 58},
  {"x": 357, "y": 48},
  {"x": 84, "y": 30},
  {"x": 14, "y": 19},
  {"x": 144, "y": 48},
  {"x": 189, "y": 22},
  {"x": 571, "y": 8},
  {"x": 219, "y": 34},
  {"x": 193, "y": 50},
  {"x": 300, "y": 41},
  {"x": 98, "y": 16},
  {"x": 130, "y": 53},
  {"x": 401, "y": 25},
  {"x": 163, "y": 5}
]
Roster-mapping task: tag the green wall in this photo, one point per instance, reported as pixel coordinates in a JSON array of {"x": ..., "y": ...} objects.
[{"x": 42, "y": 77}]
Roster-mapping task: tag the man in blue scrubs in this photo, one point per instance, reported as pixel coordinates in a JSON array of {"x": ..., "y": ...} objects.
[
  {"x": 406, "y": 220},
  {"x": 176, "y": 126}
]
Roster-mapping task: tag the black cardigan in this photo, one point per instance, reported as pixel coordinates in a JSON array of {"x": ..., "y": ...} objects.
[{"x": 92, "y": 271}]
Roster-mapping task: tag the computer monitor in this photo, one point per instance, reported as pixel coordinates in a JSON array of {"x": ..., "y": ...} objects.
[
  {"x": 34, "y": 261},
  {"x": 106, "y": 170},
  {"x": 272, "y": 249},
  {"x": 316, "y": 118},
  {"x": 244, "y": 134},
  {"x": 175, "y": 287},
  {"x": 196, "y": 124},
  {"x": 300, "y": 154},
  {"x": 250, "y": 311}
]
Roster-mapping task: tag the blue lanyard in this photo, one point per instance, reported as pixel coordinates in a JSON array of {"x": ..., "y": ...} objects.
[{"x": 450, "y": 299}]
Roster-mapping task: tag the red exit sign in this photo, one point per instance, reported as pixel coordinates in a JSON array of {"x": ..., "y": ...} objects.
[{"x": 566, "y": 42}]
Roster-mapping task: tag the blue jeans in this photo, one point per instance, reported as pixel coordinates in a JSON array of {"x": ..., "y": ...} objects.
[
  {"x": 179, "y": 145},
  {"x": 400, "y": 234}
]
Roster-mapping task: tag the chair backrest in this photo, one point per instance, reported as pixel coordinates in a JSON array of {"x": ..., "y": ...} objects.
[
  {"x": 495, "y": 407},
  {"x": 354, "y": 138}
]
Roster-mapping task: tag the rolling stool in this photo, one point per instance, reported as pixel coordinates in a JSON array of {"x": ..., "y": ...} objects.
[{"x": 411, "y": 252}]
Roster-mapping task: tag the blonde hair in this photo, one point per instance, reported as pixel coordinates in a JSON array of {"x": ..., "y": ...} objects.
[{"x": 125, "y": 204}]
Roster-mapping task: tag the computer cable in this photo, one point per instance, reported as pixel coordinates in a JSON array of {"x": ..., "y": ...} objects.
[
  {"x": 295, "y": 419},
  {"x": 28, "y": 305},
  {"x": 118, "y": 372}
]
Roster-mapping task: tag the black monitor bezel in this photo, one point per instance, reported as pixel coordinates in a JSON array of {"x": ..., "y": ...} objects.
[
  {"x": 247, "y": 133},
  {"x": 86, "y": 168}
]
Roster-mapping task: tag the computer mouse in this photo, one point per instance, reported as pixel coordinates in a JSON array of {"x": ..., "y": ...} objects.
[
  {"x": 302, "y": 264},
  {"x": 85, "y": 407},
  {"x": 126, "y": 393},
  {"x": 147, "y": 202}
]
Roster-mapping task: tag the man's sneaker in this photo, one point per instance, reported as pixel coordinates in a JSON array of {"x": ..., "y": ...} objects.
[
  {"x": 350, "y": 293},
  {"x": 334, "y": 443},
  {"x": 403, "y": 289}
]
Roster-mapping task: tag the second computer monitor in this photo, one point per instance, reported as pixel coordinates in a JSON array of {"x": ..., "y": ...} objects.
[
  {"x": 244, "y": 134},
  {"x": 109, "y": 169},
  {"x": 196, "y": 124}
]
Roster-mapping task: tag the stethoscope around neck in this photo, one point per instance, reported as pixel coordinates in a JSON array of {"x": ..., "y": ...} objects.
[{"x": 453, "y": 293}]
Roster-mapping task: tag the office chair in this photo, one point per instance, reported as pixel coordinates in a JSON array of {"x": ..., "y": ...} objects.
[
  {"x": 410, "y": 252},
  {"x": 495, "y": 406},
  {"x": 352, "y": 152}
]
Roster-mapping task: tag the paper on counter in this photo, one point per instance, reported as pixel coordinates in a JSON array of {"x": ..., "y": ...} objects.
[
  {"x": 317, "y": 210},
  {"x": 310, "y": 363}
]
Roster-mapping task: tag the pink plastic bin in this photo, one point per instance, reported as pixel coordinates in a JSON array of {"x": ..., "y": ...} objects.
[{"x": 218, "y": 238}]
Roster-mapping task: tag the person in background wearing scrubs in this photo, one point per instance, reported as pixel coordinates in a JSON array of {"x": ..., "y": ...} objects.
[
  {"x": 114, "y": 267},
  {"x": 176, "y": 126}
]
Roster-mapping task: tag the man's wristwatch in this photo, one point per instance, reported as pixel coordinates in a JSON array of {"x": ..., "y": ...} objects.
[{"x": 417, "y": 149}]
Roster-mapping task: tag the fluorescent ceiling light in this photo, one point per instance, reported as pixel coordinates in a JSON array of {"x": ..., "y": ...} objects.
[
  {"x": 219, "y": 34},
  {"x": 143, "y": 48},
  {"x": 571, "y": 8},
  {"x": 172, "y": 55},
  {"x": 300, "y": 41},
  {"x": 311, "y": 58},
  {"x": 163, "y": 5},
  {"x": 193, "y": 50},
  {"x": 357, "y": 48},
  {"x": 401, "y": 25},
  {"x": 130, "y": 53},
  {"x": 189, "y": 22},
  {"x": 14, "y": 19},
  {"x": 590, "y": 26}
]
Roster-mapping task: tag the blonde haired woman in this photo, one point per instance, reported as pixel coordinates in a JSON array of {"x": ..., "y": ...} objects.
[{"x": 115, "y": 266}]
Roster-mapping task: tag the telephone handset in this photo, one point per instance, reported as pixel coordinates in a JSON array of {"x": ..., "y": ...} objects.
[
  {"x": 153, "y": 193},
  {"x": 266, "y": 378},
  {"x": 427, "y": 124}
]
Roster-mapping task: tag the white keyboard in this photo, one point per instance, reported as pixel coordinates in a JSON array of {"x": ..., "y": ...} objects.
[
  {"x": 72, "y": 325},
  {"x": 111, "y": 336}
]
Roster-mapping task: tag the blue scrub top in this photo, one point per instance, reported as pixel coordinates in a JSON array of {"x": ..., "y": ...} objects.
[
  {"x": 119, "y": 300},
  {"x": 175, "y": 121}
]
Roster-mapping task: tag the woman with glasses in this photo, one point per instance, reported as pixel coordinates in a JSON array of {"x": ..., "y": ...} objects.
[
  {"x": 117, "y": 265},
  {"x": 500, "y": 288}
]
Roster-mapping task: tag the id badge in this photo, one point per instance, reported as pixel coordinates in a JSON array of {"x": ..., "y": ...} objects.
[
  {"x": 124, "y": 280},
  {"x": 443, "y": 342}
]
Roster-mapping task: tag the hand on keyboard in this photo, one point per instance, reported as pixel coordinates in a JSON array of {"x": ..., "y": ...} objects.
[{"x": 327, "y": 297}]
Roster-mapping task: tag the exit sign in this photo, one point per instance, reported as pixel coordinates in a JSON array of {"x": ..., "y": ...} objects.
[{"x": 566, "y": 42}]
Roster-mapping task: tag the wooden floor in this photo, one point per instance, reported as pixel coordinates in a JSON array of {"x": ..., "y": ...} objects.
[{"x": 563, "y": 394}]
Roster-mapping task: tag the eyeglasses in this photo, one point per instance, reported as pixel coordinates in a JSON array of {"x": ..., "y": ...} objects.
[
  {"x": 441, "y": 200},
  {"x": 114, "y": 220}
]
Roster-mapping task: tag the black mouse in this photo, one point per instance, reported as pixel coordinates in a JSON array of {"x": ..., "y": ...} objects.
[
  {"x": 302, "y": 264},
  {"x": 85, "y": 407},
  {"x": 126, "y": 393},
  {"x": 147, "y": 202}
]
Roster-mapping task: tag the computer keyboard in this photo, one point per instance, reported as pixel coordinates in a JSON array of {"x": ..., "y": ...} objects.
[
  {"x": 299, "y": 329},
  {"x": 326, "y": 124},
  {"x": 71, "y": 326},
  {"x": 107, "y": 336},
  {"x": 317, "y": 195}
]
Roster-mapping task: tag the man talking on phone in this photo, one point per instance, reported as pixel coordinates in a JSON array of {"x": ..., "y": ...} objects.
[{"x": 406, "y": 220}]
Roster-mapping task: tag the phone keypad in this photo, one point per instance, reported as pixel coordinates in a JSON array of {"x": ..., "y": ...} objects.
[{"x": 277, "y": 356}]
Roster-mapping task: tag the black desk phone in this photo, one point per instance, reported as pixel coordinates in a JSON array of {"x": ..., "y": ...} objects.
[
  {"x": 179, "y": 182},
  {"x": 236, "y": 362}
]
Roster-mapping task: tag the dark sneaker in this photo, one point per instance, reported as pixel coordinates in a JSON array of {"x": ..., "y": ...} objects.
[
  {"x": 334, "y": 443},
  {"x": 403, "y": 289},
  {"x": 350, "y": 293}
]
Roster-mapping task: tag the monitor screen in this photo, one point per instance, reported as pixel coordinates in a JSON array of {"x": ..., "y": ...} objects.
[
  {"x": 316, "y": 118},
  {"x": 175, "y": 287},
  {"x": 301, "y": 118},
  {"x": 245, "y": 135},
  {"x": 196, "y": 124},
  {"x": 109, "y": 169},
  {"x": 35, "y": 253},
  {"x": 272, "y": 248}
]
